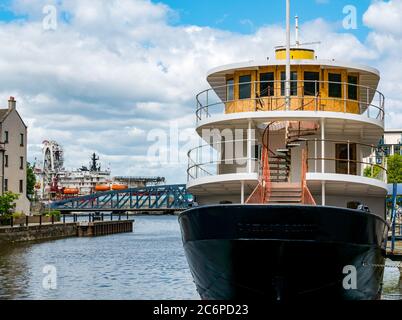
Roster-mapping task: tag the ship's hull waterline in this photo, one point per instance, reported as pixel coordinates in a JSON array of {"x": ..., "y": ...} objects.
[{"x": 284, "y": 252}]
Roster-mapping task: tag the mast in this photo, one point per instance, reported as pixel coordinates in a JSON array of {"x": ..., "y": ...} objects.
[
  {"x": 297, "y": 31},
  {"x": 287, "y": 83}
]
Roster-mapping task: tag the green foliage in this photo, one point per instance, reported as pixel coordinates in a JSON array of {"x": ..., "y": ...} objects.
[
  {"x": 7, "y": 206},
  {"x": 17, "y": 215},
  {"x": 395, "y": 169},
  {"x": 7, "y": 203},
  {"x": 31, "y": 181},
  {"x": 5, "y": 219},
  {"x": 372, "y": 171},
  {"x": 54, "y": 213}
]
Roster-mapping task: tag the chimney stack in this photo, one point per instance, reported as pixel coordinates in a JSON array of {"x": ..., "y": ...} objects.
[{"x": 11, "y": 103}]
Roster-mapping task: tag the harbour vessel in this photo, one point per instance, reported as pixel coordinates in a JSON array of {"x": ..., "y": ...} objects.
[
  {"x": 290, "y": 206},
  {"x": 56, "y": 182}
]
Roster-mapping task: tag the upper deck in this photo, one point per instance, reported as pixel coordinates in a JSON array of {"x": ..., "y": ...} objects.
[{"x": 343, "y": 89}]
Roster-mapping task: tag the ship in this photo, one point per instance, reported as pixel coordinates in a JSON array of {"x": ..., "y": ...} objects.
[
  {"x": 56, "y": 182},
  {"x": 286, "y": 203}
]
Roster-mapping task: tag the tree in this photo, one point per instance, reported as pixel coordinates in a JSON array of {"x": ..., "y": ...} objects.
[
  {"x": 395, "y": 169},
  {"x": 372, "y": 171},
  {"x": 31, "y": 181},
  {"x": 7, "y": 203}
]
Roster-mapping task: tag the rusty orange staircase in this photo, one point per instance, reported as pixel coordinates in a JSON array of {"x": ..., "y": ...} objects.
[{"x": 274, "y": 186}]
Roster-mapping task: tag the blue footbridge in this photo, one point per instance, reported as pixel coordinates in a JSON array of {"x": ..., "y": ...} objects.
[{"x": 161, "y": 198}]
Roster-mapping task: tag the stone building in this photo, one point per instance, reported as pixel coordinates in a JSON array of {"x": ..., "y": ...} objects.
[{"x": 13, "y": 155}]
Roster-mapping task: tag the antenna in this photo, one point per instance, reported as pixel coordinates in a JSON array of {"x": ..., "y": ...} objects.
[
  {"x": 297, "y": 31},
  {"x": 298, "y": 44}
]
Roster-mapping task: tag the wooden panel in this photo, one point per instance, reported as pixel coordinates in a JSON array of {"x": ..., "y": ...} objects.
[{"x": 299, "y": 102}]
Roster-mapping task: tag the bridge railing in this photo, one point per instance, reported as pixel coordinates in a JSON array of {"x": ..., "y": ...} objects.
[{"x": 172, "y": 197}]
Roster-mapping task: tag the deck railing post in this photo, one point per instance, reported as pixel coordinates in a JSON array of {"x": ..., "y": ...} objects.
[
  {"x": 26, "y": 220},
  {"x": 40, "y": 220},
  {"x": 64, "y": 219},
  {"x": 316, "y": 96},
  {"x": 345, "y": 97},
  {"x": 315, "y": 154},
  {"x": 348, "y": 157},
  {"x": 249, "y": 155},
  {"x": 206, "y": 107}
]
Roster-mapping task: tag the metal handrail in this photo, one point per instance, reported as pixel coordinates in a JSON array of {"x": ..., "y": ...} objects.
[
  {"x": 370, "y": 92},
  {"x": 381, "y": 177},
  {"x": 217, "y": 162},
  {"x": 217, "y": 142},
  {"x": 307, "y": 197},
  {"x": 375, "y": 147},
  {"x": 346, "y": 160}
]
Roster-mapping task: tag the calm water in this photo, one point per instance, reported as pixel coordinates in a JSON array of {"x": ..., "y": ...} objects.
[{"x": 146, "y": 264}]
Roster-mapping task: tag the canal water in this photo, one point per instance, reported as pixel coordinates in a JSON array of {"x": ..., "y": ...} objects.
[{"x": 146, "y": 264}]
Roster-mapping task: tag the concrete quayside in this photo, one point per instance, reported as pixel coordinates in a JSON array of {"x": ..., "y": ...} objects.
[{"x": 63, "y": 229}]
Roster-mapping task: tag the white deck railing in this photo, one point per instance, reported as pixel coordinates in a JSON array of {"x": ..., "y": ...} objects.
[{"x": 268, "y": 96}]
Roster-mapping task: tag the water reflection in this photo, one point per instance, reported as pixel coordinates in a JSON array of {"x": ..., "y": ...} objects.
[
  {"x": 146, "y": 264},
  {"x": 15, "y": 274}
]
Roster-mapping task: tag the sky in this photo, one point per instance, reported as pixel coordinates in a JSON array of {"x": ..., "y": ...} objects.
[{"x": 113, "y": 76}]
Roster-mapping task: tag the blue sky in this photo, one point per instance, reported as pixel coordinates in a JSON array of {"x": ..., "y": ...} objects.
[
  {"x": 236, "y": 15},
  {"x": 6, "y": 14},
  {"x": 245, "y": 16}
]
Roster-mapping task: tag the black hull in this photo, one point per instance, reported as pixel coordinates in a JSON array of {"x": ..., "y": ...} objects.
[{"x": 283, "y": 252}]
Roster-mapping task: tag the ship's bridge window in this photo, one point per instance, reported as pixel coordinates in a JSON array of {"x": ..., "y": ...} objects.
[
  {"x": 267, "y": 84},
  {"x": 293, "y": 83},
  {"x": 311, "y": 85},
  {"x": 335, "y": 86},
  {"x": 245, "y": 87},
  {"x": 352, "y": 87},
  {"x": 230, "y": 90}
]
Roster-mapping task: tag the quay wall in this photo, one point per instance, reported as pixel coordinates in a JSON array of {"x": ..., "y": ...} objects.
[
  {"x": 36, "y": 232},
  {"x": 63, "y": 230}
]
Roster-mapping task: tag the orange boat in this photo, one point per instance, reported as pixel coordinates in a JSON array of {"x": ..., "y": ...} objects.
[
  {"x": 119, "y": 187},
  {"x": 71, "y": 191},
  {"x": 102, "y": 187}
]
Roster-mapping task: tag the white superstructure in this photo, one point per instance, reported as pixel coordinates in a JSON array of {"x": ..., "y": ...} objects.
[{"x": 335, "y": 116}]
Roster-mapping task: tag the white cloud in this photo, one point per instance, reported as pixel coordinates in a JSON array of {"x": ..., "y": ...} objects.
[
  {"x": 118, "y": 69},
  {"x": 385, "y": 16}
]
